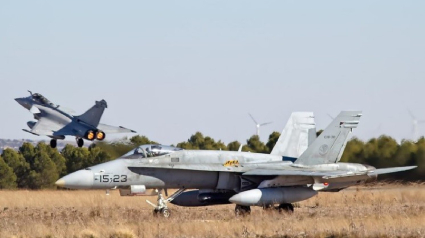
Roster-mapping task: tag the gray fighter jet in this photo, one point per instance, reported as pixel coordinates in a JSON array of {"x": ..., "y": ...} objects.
[
  {"x": 242, "y": 178},
  {"x": 57, "y": 122}
]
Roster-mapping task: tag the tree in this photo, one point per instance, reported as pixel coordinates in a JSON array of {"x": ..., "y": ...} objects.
[
  {"x": 98, "y": 156},
  {"x": 380, "y": 152},
  {"x": 76, "y": 158},
  {"x": 233, "y": 146},
  {"x": 199, "y": 142},
  {"x": 255, "y": 145},
  {"x": 44, "y": 172},
  {"x": 7, "y": 177},
  {"x": 20, "y": 167},
  {"x": 405, "y": 153},
  {"x": 141, "y": 140},
  {"x": 354, "y": 151},
  {"x": 273, "y": 137},
  {"x": 418, "y": 160},
  {"x": 28, "y": 151},
  {"x": 55, "y": 156}
]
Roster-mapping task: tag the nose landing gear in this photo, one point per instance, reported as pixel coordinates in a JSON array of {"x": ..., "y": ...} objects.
[
  {"x": 161, "y": 206},
  {"x": 242, "y": 210}
]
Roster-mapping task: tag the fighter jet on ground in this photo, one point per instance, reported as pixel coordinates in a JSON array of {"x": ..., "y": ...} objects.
[
  {"x": 57, "y": 122},
  {"x": 243, "y": 178}
]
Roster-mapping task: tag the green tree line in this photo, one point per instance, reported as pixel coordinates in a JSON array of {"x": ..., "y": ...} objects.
[{"x": 38, "y": 167}]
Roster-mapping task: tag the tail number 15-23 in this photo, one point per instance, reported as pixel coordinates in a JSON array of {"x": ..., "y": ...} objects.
[{"x": 109, "y": 178}]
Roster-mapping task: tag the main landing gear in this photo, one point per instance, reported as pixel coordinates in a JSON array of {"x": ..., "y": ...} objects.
[
  {"x": 286, "y": 208},
  {"x": 282, "y": 208},
  {"x": 53, "y": 143},
  {"x": 161, "y": 207},
  {"x": 80, "y": 142},
  {"x": 242, "y": 210}
]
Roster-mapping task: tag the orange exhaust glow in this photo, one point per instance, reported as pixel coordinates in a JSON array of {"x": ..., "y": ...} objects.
[
  {"x": 100, "y": 135},
  {"x": 90, "y": 135}
]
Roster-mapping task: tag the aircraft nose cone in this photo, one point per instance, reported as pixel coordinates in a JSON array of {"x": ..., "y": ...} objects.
[
  {"x": 60, "y": 183},
  {"x": 23, "y": 102},
  {"x": 80, "y": 179},
  {"x": 20, "y": 101}
]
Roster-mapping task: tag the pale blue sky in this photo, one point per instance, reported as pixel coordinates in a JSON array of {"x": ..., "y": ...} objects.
[{"x": 170, "y": 68}]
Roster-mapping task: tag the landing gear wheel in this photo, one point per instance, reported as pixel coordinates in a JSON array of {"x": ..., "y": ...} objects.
[
  {"x": 242, "y": 210},
  {"x": 268, "y": 207},
  {"x": 286, "y": 208},
  {"x": 165, "y": 212},
  {"x": 80, "y": 142},
  {"x": 53, "y": 143},
  {"x": 161, "y": 206}
]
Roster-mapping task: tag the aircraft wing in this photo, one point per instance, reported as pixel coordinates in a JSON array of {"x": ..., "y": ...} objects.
[
  {"x": 269, "y": 170},
  {"x": 114, "y": 129},
  {"x": 324, "y": 174},
  {"x": 67, "y": 110},
  {"x": 45, "y": 127}
]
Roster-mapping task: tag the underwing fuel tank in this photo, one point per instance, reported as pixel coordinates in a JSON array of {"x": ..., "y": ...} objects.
[
  {"x": 196, "y": 199},
  {"x": 270, "y": 196}
]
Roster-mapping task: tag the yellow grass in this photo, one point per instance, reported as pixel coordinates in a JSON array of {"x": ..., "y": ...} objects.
[{"x": 379, "y": 211}]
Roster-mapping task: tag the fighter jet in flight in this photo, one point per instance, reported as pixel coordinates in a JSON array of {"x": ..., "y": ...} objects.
[
  {"x": 285, "y": 176},
  {"x": 57, "y": 122}
]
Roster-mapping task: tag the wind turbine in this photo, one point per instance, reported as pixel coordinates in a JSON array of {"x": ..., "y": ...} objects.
[
  {"x": 415, "y": 123},
  {"x": 258, "y": 125}
]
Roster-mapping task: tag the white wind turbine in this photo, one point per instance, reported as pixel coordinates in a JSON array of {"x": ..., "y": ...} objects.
[
  {"x": 258, "y": 125},
  {"x": 415, "y": 123}
]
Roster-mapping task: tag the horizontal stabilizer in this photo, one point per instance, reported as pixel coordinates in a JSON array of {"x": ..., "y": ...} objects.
[{"x": 390, "y": 170}]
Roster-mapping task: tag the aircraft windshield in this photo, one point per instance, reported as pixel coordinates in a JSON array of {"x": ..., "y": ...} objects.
[
  {"x": 41, "y": 99},
  {"x": 146, "y": 151}
]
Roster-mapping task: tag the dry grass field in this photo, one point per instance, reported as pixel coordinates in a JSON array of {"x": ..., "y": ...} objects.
[{"x": 379, "y": 211}]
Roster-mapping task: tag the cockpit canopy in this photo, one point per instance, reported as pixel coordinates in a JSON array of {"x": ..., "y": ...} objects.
[
  {"x": 41, "y": 99},
  {"x": 146, "y": 151}
]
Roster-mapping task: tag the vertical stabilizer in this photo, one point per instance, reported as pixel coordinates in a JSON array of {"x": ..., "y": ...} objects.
[
  {"x": 299, "y": 132},
  {"x": 329, "y": 146},
  {"x": 93, "y": 115}
]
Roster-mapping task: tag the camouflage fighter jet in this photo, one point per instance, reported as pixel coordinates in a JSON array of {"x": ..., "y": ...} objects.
[
  {"x": 57, "y": 122},
  {"x": 285, "y": 176}
]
